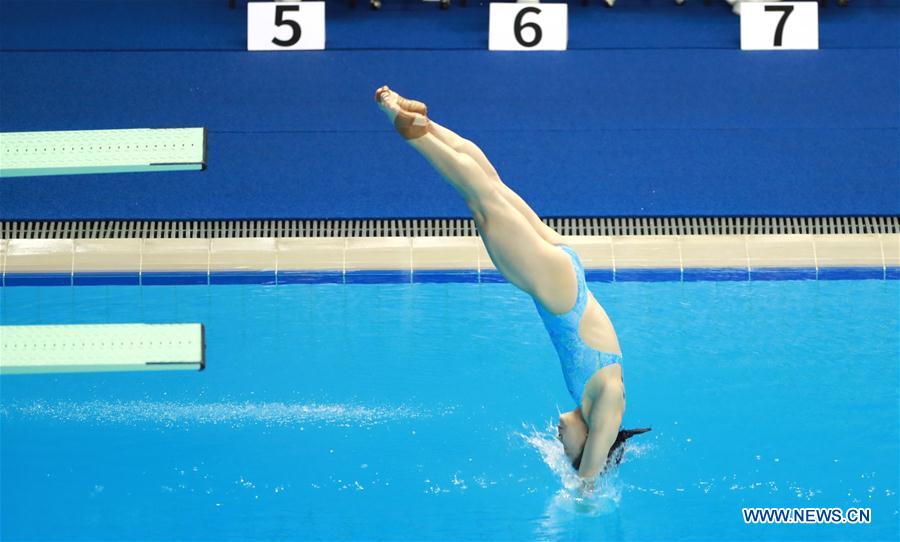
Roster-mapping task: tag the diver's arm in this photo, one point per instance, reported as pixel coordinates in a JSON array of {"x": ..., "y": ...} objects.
[{"x": 603, "y": 421}]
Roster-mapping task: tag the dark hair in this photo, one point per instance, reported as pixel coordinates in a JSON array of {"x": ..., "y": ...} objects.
[
  {"x": 577, "y": 461},
  {"x": 617, "y": 450}
]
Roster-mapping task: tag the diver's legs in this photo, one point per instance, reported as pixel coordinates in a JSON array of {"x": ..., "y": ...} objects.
[
  {"x": 465, "y": 146},
  {"x": 525, "y": 258}
]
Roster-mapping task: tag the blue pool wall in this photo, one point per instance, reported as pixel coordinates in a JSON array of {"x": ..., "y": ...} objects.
[{"x": 654, "y": 111}]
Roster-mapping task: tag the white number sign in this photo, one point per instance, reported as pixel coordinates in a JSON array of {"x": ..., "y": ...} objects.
[
  {"x": 278, "y": 26},
  {"x": 779, "y": 25},
  {"x": 528, "y": 27}
]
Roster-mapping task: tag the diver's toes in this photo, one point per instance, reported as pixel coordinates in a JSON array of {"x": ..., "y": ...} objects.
[{"x": 381, "y": 93}]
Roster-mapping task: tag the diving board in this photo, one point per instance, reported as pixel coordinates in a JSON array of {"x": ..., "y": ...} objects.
[
  {"x": 101, "y": 347},
  {"x": 75, "y": 152}
]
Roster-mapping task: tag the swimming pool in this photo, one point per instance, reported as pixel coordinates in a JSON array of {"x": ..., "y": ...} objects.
[{"x": 421, "y": 411}]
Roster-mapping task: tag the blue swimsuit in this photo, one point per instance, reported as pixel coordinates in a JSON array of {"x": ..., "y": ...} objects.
[{"x": 579, "y": 361}]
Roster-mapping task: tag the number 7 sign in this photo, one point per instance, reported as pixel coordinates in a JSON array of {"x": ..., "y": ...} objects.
[{"x": 779, "y": 25}]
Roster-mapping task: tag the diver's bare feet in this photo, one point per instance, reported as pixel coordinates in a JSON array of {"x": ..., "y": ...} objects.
[
  {"x": 387, "y": 101},
  {"x": 413, "y": 106},
  {"x": 410, "y": 123}
]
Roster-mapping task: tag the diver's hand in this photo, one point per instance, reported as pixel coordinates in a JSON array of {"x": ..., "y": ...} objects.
[{"x": 587, "y": 486}]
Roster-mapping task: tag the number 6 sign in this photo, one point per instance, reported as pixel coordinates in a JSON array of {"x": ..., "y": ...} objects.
[
  {"x": 528, "y": 26},
  {"x": 780, "y": 25}
]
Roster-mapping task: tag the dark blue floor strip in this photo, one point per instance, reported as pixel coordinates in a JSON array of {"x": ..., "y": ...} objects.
[
  {"x": 106, "y": 279},
  {"x": 599, "y": 275},
  {"x": 851, "y": 273},
  {"x": 242, "y": 277},
  {"x": 184, "y": 277},
  {"x": 37, "y": 279},
  {"x": 647, "y": 275},
  {"x": 310, "y": 277},
  {"x": 783, "y": 273},
  {"x": 712, "y": 274},
  {"x": 491, "y": 275},
  {"x": 389, "y": 276},
  {"x": 444, "y": 275}
]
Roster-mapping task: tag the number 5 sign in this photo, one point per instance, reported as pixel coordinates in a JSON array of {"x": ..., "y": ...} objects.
[
  {"x": 528, "y": 27},
  {"x": 276, "y": 26},
  {"x": 780, "y": 25}
]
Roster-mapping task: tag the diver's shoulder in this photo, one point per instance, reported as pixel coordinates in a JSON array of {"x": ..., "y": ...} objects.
[{"x": 604, "y": 382}]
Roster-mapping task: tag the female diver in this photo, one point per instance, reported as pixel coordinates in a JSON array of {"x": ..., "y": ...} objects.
[{"x": 534, "y": 258}]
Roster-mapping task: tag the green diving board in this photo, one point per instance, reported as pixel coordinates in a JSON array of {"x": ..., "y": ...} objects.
[
  {"x": 102, "y": 347},
  {"x": 101, "y": 151}
]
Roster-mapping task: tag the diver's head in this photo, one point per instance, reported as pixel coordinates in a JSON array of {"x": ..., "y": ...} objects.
[{"x": 572, "y": 431}]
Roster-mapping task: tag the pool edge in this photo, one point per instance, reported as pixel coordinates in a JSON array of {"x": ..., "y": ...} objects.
[{"x": 272, "y": 260}]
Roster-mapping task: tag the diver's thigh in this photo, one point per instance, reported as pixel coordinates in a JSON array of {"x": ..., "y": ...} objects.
[{"x": 524, "y": 257}]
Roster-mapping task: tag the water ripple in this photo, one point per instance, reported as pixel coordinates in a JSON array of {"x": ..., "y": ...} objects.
[{"x": 230, "y": 413}]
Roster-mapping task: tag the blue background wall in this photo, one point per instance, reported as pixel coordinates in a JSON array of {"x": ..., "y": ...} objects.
[{"x": 654, "y": 111}]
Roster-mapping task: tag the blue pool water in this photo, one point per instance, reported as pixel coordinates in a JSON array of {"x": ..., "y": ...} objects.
[{"x": 421, "y": 412}]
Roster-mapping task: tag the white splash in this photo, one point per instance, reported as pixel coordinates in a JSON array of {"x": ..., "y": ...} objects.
[
  {"x": 592, "y": 497},
  {"x": 231, "y": 413}
]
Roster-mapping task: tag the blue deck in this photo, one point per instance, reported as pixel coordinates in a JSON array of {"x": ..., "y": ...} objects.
[{"x": 655, "y": 111}]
